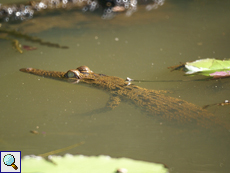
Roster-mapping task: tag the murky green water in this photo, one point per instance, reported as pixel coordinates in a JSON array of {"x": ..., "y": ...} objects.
[{"x": 141, "y": 47}]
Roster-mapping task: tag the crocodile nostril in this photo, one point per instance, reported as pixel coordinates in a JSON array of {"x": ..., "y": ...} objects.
[{"x": 26, "y": 69}]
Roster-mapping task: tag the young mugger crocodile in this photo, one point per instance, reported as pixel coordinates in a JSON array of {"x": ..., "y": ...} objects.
[{"x": 152, "y": 101}]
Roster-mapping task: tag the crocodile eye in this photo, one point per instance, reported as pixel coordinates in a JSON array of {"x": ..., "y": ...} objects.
[
  {"x": 70, "y": 74},
  {"x": 73, "y": 74}
]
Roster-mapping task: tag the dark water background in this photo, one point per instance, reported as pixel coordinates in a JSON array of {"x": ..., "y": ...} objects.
[{"x": 141, "y": 46}]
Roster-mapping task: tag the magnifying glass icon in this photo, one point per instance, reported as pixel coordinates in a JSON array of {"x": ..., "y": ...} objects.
[{"x": 9, "y": 160}]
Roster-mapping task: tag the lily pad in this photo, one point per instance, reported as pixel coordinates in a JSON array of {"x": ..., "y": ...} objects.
[
  {"x": 89, "y": 164},
  {"x": 207, "y": 65}
]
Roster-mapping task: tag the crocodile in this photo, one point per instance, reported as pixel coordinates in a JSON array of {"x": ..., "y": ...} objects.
[{"x": 154, "y": 102}]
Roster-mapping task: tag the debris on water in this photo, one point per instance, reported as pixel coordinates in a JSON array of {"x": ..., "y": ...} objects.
[
  {"x": 17, "y": 45},
  {"x": 26, "y": 47},
  {"x": 129, "y": 79},
  {"x": 224, "y": 103},
  {"x": 122, "y": 170},
  {"x": 34, "y": 132}
]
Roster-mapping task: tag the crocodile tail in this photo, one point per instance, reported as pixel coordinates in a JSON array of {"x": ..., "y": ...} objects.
[{"x": 51, "y": 74}]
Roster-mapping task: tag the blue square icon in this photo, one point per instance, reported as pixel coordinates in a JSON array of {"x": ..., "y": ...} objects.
[{"x": 10, "y": 161}]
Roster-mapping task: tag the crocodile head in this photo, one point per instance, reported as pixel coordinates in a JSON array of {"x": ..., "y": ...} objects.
[{"x": 82, "y": 73}]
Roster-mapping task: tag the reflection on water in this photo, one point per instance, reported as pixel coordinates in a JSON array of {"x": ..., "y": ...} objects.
[{"x": 141, "y": 47}]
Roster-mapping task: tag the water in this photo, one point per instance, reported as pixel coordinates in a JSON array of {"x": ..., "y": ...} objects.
[{"x": 141, "y": 47}]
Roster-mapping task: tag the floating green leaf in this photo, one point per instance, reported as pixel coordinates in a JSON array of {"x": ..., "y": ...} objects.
[
  {"x": 207, "y": 65},
  {"x": 88, "y": 164}
]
